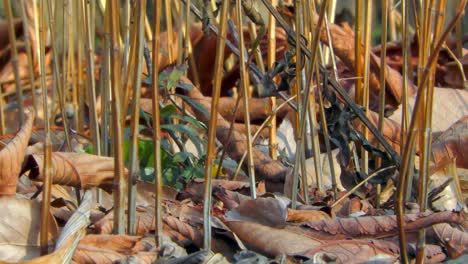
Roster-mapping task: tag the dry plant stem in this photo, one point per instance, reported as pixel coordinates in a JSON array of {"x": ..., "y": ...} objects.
[
  {"x": 210, "y": 156},
  {"x": 258, "y": 132},
  {"x": 14, "y": 61},
  {"x": 126, "y": 37},
  {"x": 270, "y": 62},
  {"x": 27, "y": 41},
  {"x": 90, "y": 80},
  {"x": 305, "y": 103},
  {"x": 330, "y": 16},
  {"x": 405, "y": 165},
  {"x": 119, "y": 180},
  {"x": 106, "y": 93},
  {"x": 427, "y": 136},
  {"x": 405, "y": 72},
  {"x": 323, "y": 120},
  {"x": 244, "y": 80},
  {"x": 60, "y": 88},
  {"x": 2, "y": 113},
  {"x": 48, "y": 143},
  {"x": 299, "y": 121},
  {"x": 366, "y": 88},
  {"x": 385, "y": 11},
  {"x": 372, "y": 175},
  {"x": 357, "y": 52},
  {"x": 156, "y": 123},
  {"x": 311, "y": 108},
  {"x": 135, "y": 117}
]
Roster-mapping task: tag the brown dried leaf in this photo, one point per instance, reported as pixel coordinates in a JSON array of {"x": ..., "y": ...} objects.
[
  {"x": 372, "y": 226},
  {"x": 271, "y": 241},
  {"x": 144, "y": 221},
  {"x": 452, "y": 144},
  {"x": 79, "y": 170},
  {"x": 12, "y": 157},
  {"x": 19, "y": 229},
  {"x": 266, "y": 211},
  {"x": 350, "y": 251},
  {"x": 306, "y": 215},
  {"x": 454, "y": 240}
]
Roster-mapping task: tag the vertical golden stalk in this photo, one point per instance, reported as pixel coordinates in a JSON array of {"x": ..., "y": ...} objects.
[
  {"x": 80, "y": 92},
  {"x": 27, "y": 41},
  {"x": 48, "y": 143},
  {"x": 2, "y": 113},
  {"x": 418, "y": 107},
  {"x": 358, "y": 95},
  {"x": 244, "y": 80},
  {"x": 427, "y": 136},
  {"x": 156, "y": 123},
  {"x": 135, "y": 117},
  {"x": 14, "y": 61},
  {"x": 305, "y": 103},
  {"x": 210, "y": 156},
  {"x": 385, "y": 12},
  {"x": 405, "y": 71},
  {"x": 120, "y": 184},
  {"x": 311, "y": 108},
  {"x": 90, "y": 79},
  {"x": 73, "y": 67},
  {"x": 330, "y": 17},
  {"x": 392, "y": 22},
  {"x": 270, "y": 62},
  {"x": 126, "y": 37},
  {"x": 459, "y": 36},
  {"x": 188, "y": 47},
  {"x": 169, "y": 29},
  {"x": 60, "y": 88},
  {"x": 257, "y": 52},
  {"x": 365, "y": 98}
]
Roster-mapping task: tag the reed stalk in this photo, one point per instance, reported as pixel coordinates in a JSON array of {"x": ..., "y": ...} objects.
[
  {"x": 156, "y": 123},
  {"x": 305, "y": 103},
  {"x": 244, "y": 80},
  {"x": 60, "y": 88},
  {"x": 440, "y": 11},
  {"x": 272, "y": 141},
  {"x": 311, "y": 108},
  {"x": 210, "y": 156},
  {"x": 91, "y": 84},
  {"x": 27, "y": 42},
  {"x": 418, "y": 107},
  {"x": 2, "y": 113},
  {"x": 14, "y": 61},
  {"x": 135, "y": 117},
  {"x": 47, "y": 185},
  {"x": 366, "y": 88},
  {"x": 383, "y": 57},
  {"x": 358, "y": 53},
  {"x": 120, "y": 189}
]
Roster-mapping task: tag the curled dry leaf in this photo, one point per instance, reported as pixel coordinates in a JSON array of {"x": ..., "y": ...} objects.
[
  {"x": 266, "y": 211},
  {"x": 19, "y": 229},
  {"x": 371, "y": 226},
  {"x": 453, "y": 144},
  {"x": 350, "y": 251},
  {"x": 306, "y": 215},
  {"x": 12, "y": 157},
  {"x": 454, "y": 240},
  {"x": 271, "y": 241},
  {"x": 144, "y": 221},
  {"x": 79, "y": 170}
]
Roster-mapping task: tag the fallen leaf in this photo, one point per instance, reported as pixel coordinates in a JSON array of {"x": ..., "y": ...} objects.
[
  {"x": 12, "y": 156},
  {"x": 452, "y": 144},
  {"x": 350, "y": 251},
  {"x": 306, "y": 215},
  {"x": 79, "y": 170},
  {"x": 19, "y": 229},
  {"x": 271, "y": 241},
  {"x": 371, "y": 226}
]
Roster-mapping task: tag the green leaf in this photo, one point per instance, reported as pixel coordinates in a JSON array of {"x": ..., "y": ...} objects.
[
  {"x": 167, "y": 111},
  {"x": 199, "y": 107},
  {"x": 175, "y": 75},
  {"x": 185, "y": 86},
  {"x": 181, "y": 128},
  {"x": 191, "y": 121}
]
